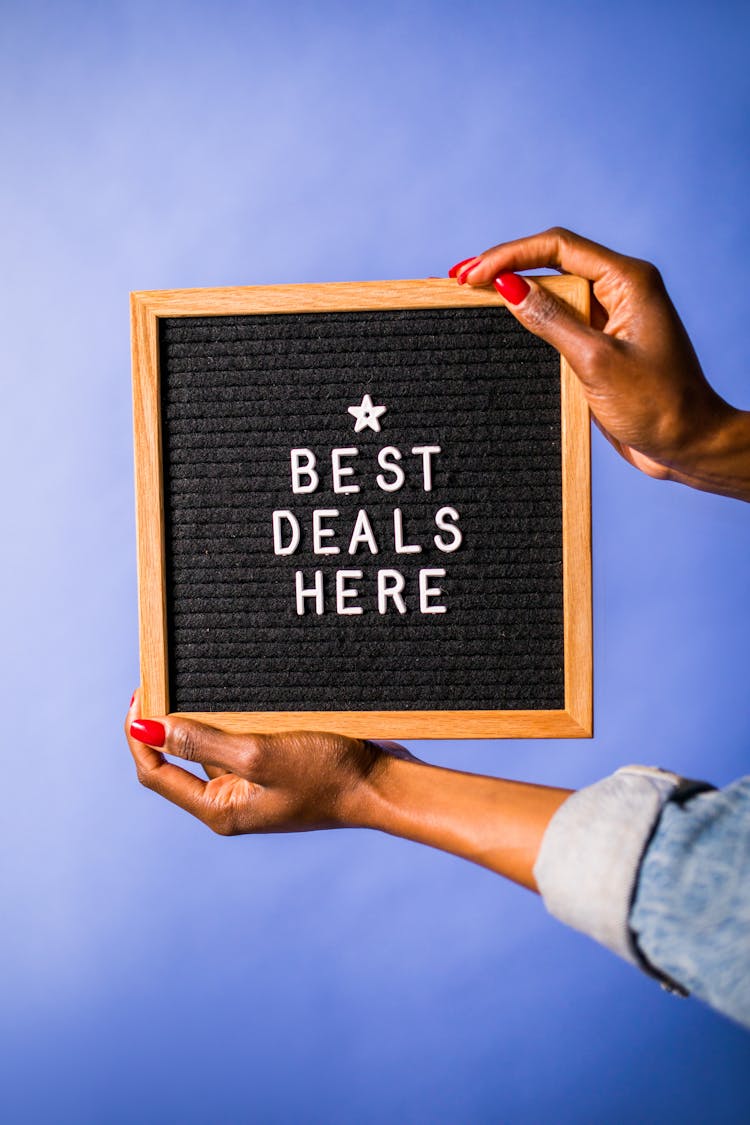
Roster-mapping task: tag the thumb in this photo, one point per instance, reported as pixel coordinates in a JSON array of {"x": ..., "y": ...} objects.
[
  {"x": 196, "y": 742},
  {"x": 584, "y": 347}
]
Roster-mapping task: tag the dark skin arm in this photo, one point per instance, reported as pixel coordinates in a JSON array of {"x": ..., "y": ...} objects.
[{"x": 650, "y": 398}]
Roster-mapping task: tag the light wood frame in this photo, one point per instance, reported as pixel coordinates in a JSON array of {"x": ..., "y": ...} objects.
[{"x": 575, "y": 721}]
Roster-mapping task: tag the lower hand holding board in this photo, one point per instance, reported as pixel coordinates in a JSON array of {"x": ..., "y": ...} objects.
[{"x": 361, "y": 508}]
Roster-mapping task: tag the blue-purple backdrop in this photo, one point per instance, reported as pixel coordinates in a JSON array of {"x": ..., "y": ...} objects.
[{"x": 151, "y": 971}]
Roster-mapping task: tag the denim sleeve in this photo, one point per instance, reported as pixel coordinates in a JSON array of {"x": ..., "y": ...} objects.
[
  {"x": 691, "y": 913},
  {"x": 591, "y": 853},
  {"x": 657, "y": 868}
]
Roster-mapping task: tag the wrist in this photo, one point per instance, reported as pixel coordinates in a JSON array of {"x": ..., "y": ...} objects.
[
  {"x": 717, "y": 458},
  {"x": 374, "y": 801},
  {"x": 496, "y": 823}
]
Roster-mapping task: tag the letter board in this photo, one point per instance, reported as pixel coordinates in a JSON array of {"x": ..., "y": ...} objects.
[{"x": 362, "y": 508}]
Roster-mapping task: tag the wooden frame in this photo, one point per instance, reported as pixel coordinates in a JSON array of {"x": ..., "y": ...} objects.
[{"x": 575, "y": 721}]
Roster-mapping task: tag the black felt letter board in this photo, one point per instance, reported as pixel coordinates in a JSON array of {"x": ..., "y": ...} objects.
[{"x": 240, "y": 393}]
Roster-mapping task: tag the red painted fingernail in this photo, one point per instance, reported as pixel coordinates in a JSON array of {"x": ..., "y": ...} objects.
[
  {"x": 459, "y": 265},
  {"x": 132, "y": 700},
  {"x": 512, "y": 287},
  {"x": 148, "y": 731}
]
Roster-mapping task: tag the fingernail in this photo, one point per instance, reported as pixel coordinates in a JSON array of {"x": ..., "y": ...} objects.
[
  {"x": 132, "y": 700},
  {"x": 148, "y": 731},
  {"x": 512, "y": 287},
  {"x": 459, "y": 265}
]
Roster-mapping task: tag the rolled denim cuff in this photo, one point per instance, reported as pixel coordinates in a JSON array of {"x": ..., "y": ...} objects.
[{"x": 588, "y": 863}]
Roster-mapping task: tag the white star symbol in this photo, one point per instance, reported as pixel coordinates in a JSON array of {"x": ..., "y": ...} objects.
[{"x": 367, "y": 415}]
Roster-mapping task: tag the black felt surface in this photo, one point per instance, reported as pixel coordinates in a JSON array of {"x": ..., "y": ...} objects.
[{"x": 238, "y": 393}]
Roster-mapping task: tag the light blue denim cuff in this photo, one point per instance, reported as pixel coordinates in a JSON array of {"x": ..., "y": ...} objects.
[{"x": 588, "y": 863}]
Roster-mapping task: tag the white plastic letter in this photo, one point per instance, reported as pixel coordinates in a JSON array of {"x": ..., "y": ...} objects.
[
  {"x": 338, "y": 470},
  {"x": 426, "y": 591},
  {"x": 398, "y": 472},
  {"x": 392, "y": 591},
  {"x": 303, "y": 465},
  {"x": 398, "y": 536},
  {"x": 320, "y": 533},
  {"x": 343, "y": 591},
  {"x": 427, "y": 451},
  {"x": 278, "y": 544},
  {"x": 363, "y": 533},
  {"x": 315, "y": 592},
  {"x": 442, "y": 520}
]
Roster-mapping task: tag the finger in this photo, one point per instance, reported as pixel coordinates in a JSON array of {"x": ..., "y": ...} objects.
[
  {"x": 175, "y": 784},
  {"x": 588, "y": 351},
  {"x": 556, "y": 248},
  {"x": 460, "y": 268},
  {"x": 198, "y": 742},
  {"x": 156, "y": 773},
  {"x": 146, "y": 755},
  {"x": 134, "y": 713}
]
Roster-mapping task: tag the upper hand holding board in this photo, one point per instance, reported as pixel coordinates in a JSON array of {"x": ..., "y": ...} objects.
[{"x": 635, "y": 361}]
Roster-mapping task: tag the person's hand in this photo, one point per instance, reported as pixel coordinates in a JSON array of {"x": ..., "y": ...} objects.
[
  {"x": 301, "y": 781},
  {"x": 638, "y": 369},
  {"x": 257, "y": 783}
]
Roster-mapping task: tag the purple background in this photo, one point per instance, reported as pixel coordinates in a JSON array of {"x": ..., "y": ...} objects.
[{"x": 151, "y": 971}]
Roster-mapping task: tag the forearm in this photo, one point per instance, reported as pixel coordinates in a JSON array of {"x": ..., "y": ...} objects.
[{"x": 498, "y": 824}]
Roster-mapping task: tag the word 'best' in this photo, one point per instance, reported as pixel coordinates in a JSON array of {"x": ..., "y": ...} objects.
[{"x": 305, "y": 477}]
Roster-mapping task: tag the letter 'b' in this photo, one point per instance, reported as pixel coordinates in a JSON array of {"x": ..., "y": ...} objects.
[{"x": 303, "y": 465}]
